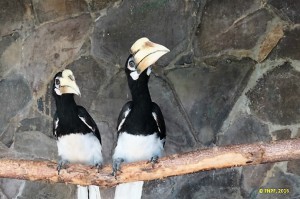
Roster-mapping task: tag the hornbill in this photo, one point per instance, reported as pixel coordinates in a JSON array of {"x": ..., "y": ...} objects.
[
  {"x": 141, "y": 127},
  {"x": 78, "y": 137}
]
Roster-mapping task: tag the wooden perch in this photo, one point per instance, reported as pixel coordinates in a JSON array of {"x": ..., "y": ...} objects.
[{"x": 178, "y": 164}]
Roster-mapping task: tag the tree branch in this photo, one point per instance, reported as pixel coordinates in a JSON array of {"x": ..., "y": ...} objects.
[{"x": 178, "y": 164}]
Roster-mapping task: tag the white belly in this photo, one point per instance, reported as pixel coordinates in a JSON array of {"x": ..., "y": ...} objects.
[
  {"x": 79, "y": 148},
  {"x": 133, "y": 148}
]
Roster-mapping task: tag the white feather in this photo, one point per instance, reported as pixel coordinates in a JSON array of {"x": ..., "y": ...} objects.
[
  {"x": 57, "y": 91},
  {"x": 123, "y": 120},
  {"x": 55, "y": 126},
  {"x": 149, "y": 71},
  {"x": 94, "y": 192},
  {"x": 133, "y": 148},
  {"x": 134, "y": 75},
  {"x": 82, "y": 192},
  {"x": 83, "y": 120},
  {"x": 155, "y": 118},
  {"x": 80, "y": 148},
  {"x": 85, "y": 149},
  {"x": 133, "y": 190}
]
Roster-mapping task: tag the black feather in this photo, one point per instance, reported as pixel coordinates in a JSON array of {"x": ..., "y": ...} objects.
[
  {"x": 68, "y": 113},
  {"x": 159, "y": 121},
  {"x": 140, "y": 120}
]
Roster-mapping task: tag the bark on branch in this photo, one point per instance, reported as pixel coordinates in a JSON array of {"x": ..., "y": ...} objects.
[{"x": 178, "y": 164}]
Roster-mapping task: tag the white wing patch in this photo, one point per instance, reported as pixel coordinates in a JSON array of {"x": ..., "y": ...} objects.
[
  {"x": 55, "y": 126},
  {"x": 83, "y": 119},
  {"x": 123, "y": 120},
  {"x": 155, "y": 118}
]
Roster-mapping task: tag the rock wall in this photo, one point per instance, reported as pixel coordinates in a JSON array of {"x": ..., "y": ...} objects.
[{"x": 232, "y": 76}]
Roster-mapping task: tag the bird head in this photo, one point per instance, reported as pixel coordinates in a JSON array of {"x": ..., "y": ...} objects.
[
  {"x": 144, "y": 53},
  {"x": 64, "y": 83}
]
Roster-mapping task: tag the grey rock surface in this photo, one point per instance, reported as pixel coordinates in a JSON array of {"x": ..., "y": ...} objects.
[
  {"x": 232, "y": 77},
  {"x": 274, "y": 98}
]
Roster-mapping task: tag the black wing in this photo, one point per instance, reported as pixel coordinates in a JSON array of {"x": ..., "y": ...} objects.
[
  {"x": 123, "y": 114},
  {"x": 88, "y": 121},
  {"x": 55, "y": 124},
  {"x": 159, "y": 118}
]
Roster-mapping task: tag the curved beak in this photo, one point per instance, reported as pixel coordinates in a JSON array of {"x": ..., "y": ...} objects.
[
  {"x": 146, "y": 53},
  {"x": 68, "y": 84}
]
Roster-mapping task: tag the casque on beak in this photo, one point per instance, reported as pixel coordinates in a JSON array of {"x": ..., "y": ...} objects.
[
  {"x": 146, "y": 53},
  {"x": 68, "y": 84}
]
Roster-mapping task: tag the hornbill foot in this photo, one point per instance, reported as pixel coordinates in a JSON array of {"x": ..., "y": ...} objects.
[
  {"x": 98, "y": 166},
  {"x": 116, "y": 166},
  {"x": 153, "y": 160},
  {"x": 61, "y": 165}
]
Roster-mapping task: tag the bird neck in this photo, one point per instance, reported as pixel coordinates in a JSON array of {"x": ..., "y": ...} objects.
[
  {"x": 65, "y": 105},
  {"x": 141, "y": 95}
]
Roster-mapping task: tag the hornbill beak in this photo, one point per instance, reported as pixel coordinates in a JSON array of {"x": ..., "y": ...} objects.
[
  {"x": 146, "y": 53},
  {"x": 68, "y": 83}
]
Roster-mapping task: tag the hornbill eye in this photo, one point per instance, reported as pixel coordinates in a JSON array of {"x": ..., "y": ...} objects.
[
  {"x": 131, "y": 65},
  {"x": 57, "y": 82}
]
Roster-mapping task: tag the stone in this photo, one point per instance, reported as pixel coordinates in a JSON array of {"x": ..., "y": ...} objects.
[
  {"x": 180, "y": 137},
  {"x": 283, "y": 134},
  {"x": 186, "y": 59},
  {"x": 288, "y": 9},
  {"x": 5, "y": 151},
  {"x": 230, "y": 30},
  {"x": 36, "y": 145},
  {"x": 2, "y": 195},
  {"x": 105, "y": 109},
  {"x": 208, "y": 93},
  {"x": 39, "y": 123},
  {"x": 7, "y": 136},
  {"x": 288, "y": 47},
  {"x": 210, "y": 184},
  {"x": 245, "y": 129},
  {"x": 45, "y": 105},
  {"x": 15, "y": 15},
  {"x": 10, "y": 188},
  {"x": 115, "y": 32},
  {"x": 107, "y": 193},
  {"x": 218, "y": 16},
  {"x": 270, "y": 41},
  {"x": 275, "y": 97},
  {"x": 48, "y": 10},
  {"x": 252, "y": 178},
  {"x": 294, "y": 167},
  {"x": 298, "y": 134},
  {"x": 280, "y": 180},
  {"x": 51, "y": 47},
  {"x": 15, "y": 94},
  {"x": 7, "y": 41},
  {"x": 11, "y": 55},
  {"x": 107, "y": 138},
  {"x": 162, "y": 187},
  {"x": 89, "y": 77},
  {"x": 43, "y": 190},
  {"x": 98, "y": 5}
]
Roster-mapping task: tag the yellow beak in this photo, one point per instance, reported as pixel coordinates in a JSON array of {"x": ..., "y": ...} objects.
[
  {"x": 146, "y": 53},
  {"x": 68, "y": 84}
]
